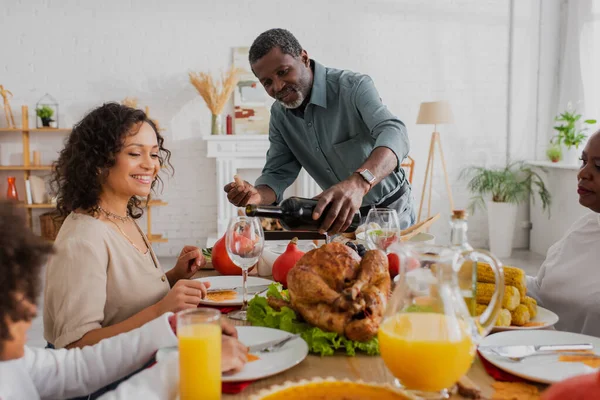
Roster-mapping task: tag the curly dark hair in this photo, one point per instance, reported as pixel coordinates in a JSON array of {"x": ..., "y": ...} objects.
[
  {"x": 22, "y": 255},
  {"x": 90, "y": 152},
  {"x": 272, "y": 38}
]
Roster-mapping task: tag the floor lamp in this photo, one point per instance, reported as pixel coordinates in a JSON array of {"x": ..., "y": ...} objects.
[{"x": 434, "y": 113}]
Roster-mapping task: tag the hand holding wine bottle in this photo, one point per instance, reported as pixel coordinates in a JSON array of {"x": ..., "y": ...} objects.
[{"x": 241, "y": 193}]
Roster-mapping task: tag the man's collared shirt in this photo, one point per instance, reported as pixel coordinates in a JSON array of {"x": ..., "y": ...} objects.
[{"x": 343, "y": 122}]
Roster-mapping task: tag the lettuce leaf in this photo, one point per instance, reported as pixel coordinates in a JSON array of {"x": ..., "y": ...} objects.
[{"x": 259, "y": 313}]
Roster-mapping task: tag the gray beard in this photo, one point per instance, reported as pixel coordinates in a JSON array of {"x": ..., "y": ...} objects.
[{"x": 295, "y": 104}]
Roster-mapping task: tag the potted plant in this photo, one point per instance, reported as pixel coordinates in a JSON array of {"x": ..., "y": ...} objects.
[
  {"x": 570, "y": 134},
  {"x": 508, "y": 187},
  {"x": 554, "y": 153},
  {"x": 45, "y": 113}
]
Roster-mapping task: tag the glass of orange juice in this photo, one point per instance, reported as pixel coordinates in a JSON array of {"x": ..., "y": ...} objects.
[
  {"x": 428, "y": 337},
  {"x": 199, "y": 333}
]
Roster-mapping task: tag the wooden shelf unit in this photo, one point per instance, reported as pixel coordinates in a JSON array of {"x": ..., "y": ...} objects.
[{"x": 27, "y": 167}]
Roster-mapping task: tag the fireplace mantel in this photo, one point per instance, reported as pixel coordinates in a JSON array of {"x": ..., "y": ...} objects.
[{"x": 235, "y": 152}]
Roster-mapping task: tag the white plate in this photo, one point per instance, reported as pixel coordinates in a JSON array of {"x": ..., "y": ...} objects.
[
  {"x": 290, "y": 355},
  {"x": 543, "y": 369},
  {"x": 543, "y": 315},
  {"x": 226, "y": 281}
]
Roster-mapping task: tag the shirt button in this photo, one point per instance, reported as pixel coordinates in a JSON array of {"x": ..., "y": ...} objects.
[
  {"x": 164, "y": 278},
  {"x": 328, "y": 170},
  {"x": 309, "y": 124},
  {"x": 317, "y": 148}
]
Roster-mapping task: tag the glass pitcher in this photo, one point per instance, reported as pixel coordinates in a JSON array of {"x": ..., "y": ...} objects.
[{"x": 428, "y": 337}]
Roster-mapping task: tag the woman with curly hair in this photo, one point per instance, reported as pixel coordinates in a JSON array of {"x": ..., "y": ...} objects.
[
  {"x": 34, "y": 373},
  {"x": 104, "y": 278}
]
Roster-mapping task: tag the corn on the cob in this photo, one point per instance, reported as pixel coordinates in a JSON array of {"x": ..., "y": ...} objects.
[
  {"x": 520, "y": 315},
  {"x": 512, "y": 298},
  {"x": 512, "y": 277},
  {"x": 531, "y": 306},
  {"x": 504, "y": 317}
]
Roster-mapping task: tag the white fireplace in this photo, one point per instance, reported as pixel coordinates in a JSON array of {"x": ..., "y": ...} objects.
[{"x": 245, "y": 155}]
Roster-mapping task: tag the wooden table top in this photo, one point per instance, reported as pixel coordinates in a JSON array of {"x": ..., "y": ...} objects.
[{"x": 363, "y": 367}]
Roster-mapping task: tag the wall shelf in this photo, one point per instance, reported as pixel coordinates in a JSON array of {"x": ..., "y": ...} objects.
[
  {"x": 47, "y": 205},
  {"x": 25, "y": 167},
  {"x": 34, "y": 130}
]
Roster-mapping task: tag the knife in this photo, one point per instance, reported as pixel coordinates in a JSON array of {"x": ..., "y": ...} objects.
[
  {"x": 522, "y": 351},
  {"x": 271, "y": 344},
  {"x": 251, "y": 289}
]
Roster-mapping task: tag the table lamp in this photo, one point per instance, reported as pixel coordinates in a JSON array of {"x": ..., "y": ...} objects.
[{"x": 434, "y": 113}]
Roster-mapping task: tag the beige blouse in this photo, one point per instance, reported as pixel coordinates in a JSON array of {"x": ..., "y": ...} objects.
[{"x": 96, "y": 279}]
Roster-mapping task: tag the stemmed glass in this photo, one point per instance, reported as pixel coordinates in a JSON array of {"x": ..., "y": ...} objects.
[
  {"x": 244, "y": 242},
  {"x": 382, "y": 228}
]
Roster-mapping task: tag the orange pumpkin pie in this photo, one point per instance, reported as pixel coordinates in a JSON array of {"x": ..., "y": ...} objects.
[
  {"x": 331, "y": 389},
  {"x": 222, "y": 295}
]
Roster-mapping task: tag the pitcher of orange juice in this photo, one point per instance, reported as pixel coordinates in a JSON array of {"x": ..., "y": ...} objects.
[{"x": 428, "y": 337}]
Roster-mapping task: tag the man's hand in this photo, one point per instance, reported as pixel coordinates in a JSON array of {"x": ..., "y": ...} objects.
[
  {"x": 240, "y": 193},
  {"x": 345, "y": 199}
]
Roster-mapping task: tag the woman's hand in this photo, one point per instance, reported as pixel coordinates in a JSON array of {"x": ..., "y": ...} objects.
[
  {"x": 184, "y": 295},
  {"x": 228, "y": 328},
  {"x": 234, "y": 355},
  {"x": 190, "y": 260}
]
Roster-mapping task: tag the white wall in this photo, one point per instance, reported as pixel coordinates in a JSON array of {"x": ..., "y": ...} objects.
[{"x": 84, "y": 54}]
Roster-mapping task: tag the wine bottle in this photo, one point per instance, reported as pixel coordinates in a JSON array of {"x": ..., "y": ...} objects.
[{"x": 295, "y": 214}]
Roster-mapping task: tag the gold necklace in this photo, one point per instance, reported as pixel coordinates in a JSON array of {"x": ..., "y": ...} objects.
[
  {"x": 127, "y": 237},
  {"x": 113, "y": 215}
]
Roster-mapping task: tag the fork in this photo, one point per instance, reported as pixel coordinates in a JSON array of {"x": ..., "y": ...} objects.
[
  {"x": 562, "y": 353},
  {"x": 280, "y": 344}
]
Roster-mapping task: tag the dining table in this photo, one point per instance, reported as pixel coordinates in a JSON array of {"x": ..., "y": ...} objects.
[{"x": 340, "y": 366}]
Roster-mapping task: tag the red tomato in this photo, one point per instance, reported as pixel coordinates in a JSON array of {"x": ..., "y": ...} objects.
[
  {"x": 243, "y": 244},
  {"x": 394, "y": 264}
]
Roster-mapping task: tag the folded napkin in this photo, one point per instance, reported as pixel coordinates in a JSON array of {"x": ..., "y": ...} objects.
[
  {"x": 234, "y": 387},
  {"x": 497, "y": 373}
]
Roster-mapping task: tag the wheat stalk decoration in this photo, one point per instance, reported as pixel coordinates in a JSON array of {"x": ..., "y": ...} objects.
[{"x": 215, "y": 94}]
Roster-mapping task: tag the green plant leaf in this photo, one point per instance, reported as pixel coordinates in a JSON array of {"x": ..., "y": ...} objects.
[
  {"x": 511, "y": 184},
  {"x": 590, "y": 121}
]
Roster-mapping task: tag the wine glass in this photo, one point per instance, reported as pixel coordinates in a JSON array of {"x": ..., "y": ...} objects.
[
  {"x": 244, "y": 242},
  {"x": 382, "y": 228}
]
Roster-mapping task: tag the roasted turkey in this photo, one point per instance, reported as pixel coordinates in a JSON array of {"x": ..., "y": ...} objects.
[{"x": 333, "y": 289}]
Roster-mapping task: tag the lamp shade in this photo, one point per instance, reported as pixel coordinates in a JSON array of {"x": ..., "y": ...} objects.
[{"x": 435, "y": 112}]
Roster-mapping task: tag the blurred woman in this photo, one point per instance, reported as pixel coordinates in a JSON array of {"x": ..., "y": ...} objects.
[{"x": 568, "y": 282}]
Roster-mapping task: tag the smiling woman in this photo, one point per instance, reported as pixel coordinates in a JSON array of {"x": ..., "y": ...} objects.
[{"x": 104, "y": 278}]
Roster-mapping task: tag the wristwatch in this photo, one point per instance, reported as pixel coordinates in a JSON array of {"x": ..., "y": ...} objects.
[{"x": 367, "y": 176}]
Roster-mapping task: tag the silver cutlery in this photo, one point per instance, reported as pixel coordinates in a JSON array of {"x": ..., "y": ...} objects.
[
  {"x": 520, "y": 352},
  {"x": 271, "y": 345}
]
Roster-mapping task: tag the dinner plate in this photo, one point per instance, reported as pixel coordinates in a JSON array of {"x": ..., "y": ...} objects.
[
  {"x": 268, "y": 364},
  {"x": 230, "y": 281},
  {"x": 542, "y": 368},
  {"x": 545, "y": 317}
]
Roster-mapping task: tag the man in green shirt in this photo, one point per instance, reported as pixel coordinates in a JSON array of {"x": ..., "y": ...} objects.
[{"x": 333, "y": 124}]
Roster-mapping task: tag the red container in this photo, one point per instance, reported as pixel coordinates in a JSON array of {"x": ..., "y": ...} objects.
[
  {"x": 11, "y": 192},
  {"x": 229, "y": 125}
]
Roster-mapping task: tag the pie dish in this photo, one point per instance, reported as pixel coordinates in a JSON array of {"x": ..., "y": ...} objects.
[{"x": 331, "y": 389}]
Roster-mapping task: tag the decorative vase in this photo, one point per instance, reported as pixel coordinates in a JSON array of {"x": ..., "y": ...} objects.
[
  {"x": 571, "y": 155},
  {"x": 217, "y": 125},
  {"x": 502, "y": 218},
  {"x": 11, "y": 192}
]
